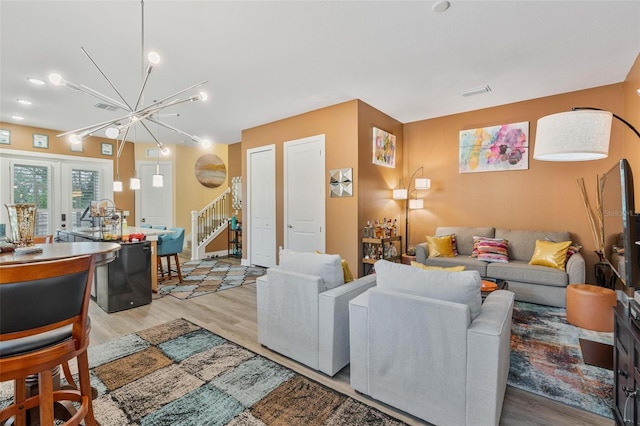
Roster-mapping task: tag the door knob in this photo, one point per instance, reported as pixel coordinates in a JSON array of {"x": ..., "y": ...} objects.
[{"x": 289, "y": 226}]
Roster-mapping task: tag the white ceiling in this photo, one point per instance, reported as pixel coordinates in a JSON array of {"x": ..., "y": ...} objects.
[{"x": 268, "y": 60}]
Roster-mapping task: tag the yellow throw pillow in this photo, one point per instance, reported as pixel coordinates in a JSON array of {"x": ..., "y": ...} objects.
[
  {"x": 437, "y": 268},
  {"x": 346, "y": 271},
  {"x": 440, "y": 246},
  {"x": 550, "y": 254}
]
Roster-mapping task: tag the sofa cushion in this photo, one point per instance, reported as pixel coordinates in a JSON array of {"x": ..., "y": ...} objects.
[
  {"x": 440, "y": 246},
  {"x": 521, "y": 271},
  {"x": 460, "y": 287},
  {"x": 326, "y": 266},
  {"x": 493, "y": 250},
  {"x": 464, "y": 236},
  {"x": 459, "y": 268},
  {"x": 547, "y": 253},
  {"x": 522, "y": 243}
]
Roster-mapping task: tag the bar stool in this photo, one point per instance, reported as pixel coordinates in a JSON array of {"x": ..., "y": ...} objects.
[
  {"x": 170, "y": 245},
  {"x": 44, "y": 322}
]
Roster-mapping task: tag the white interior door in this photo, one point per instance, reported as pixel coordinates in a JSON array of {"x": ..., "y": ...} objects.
[
  {"x": 154, "y": 206},
  {"x": 261, "y": 205},
  {"x": 304, "y": 194}
]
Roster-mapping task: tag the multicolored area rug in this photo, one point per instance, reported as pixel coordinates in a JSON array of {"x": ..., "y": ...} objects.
[
  {"x": 181, "y": 374},
  {"x": 202, "y": 277},
  {"x": 546, "y": 359}
]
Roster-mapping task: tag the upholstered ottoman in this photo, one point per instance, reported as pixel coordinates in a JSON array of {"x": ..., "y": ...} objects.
[{"x": 590, "y": 306}]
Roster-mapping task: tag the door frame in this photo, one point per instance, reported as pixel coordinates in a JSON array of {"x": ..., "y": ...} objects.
[
  {"x": 168, "y": 187},
  {"x": 248, "y": 261},
  {"x": 323, "y": 190}
]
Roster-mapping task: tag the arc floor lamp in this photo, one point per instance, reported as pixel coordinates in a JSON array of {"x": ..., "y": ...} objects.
[{"x": 411, "y": 203}]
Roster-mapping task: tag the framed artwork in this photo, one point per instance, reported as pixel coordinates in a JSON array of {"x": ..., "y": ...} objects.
[
  {"x": 341, "y": 182},
  {"x": 40, "y": 141},
  {"x": 5, "y": 136},
  {"x": 77, "y": 147},
  {"x": 494, "y": 149},
  {"x": 384, "y": 148},
  {"x": 107, "y": 148}
]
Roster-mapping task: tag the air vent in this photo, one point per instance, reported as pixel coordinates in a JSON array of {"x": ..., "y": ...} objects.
[
  {"x": 153, "y": 152},
  {"x": 476, "y": 91},
  {"x": 107, "y": 107}
]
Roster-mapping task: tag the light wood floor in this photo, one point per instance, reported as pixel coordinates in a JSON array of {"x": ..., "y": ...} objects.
[{"x": 232, "y": 315}]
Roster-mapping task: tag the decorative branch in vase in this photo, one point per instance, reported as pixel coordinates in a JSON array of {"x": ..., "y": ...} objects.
[{"x": 595, "y": 217}]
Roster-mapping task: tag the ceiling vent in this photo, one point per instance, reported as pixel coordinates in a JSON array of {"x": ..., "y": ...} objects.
[
  {"x": 153, "y": 152},
  {"x": 106, "y": 107}
]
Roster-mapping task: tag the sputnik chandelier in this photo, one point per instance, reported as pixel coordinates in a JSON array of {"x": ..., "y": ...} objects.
[{"x": 136, "y": 113}]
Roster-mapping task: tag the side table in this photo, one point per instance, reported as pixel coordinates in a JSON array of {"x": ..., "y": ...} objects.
[{"x": 407, "y": 259}]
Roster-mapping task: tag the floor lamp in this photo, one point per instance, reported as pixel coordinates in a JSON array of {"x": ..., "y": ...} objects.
[{"x": 411, "y": 203}]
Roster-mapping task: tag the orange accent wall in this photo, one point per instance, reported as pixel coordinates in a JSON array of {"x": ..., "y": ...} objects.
[
  {"x": 22, "y": 139},
  {"x": 544, "y": 197}
]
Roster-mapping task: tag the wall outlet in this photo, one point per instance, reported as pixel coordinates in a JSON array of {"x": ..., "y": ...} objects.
[{"x": 125, "y": 213}]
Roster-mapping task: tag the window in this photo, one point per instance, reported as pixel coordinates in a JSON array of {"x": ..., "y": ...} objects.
[
  {"x": 31, "y": 185},
  {"x": 85, "y": 187}
]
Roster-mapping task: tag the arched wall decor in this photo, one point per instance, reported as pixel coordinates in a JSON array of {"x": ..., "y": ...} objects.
[{"x": 210, "y": 170}]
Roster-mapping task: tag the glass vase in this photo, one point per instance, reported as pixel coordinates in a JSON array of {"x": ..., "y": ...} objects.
[{"x": 22, "y": 221}]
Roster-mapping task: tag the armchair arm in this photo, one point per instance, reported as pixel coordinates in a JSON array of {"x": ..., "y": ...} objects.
[
  {"x": 576, "y": 269},
  {"x": 489, "y": 350},
  {"x": 422, "y": 253},
  {"x": 333, "y": 321}
]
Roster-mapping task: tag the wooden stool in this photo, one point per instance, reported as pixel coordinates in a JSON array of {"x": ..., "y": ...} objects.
[{"x": 590, "y": 306}]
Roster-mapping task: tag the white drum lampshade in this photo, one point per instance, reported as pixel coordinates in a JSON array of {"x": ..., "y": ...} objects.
[{"x": 579, "y": 135}]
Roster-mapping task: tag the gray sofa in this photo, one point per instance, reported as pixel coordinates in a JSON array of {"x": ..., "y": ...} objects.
[{"x": 530, "y": 283}]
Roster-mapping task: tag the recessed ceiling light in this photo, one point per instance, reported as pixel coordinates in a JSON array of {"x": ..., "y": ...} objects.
[
  {"x": 24, "y": 102},
  {"x": 17, "y": 117},
  {"x": 476, "y": 91},
  {"x": 35, "y": 81},
  {"x": 440, "y": 6}
]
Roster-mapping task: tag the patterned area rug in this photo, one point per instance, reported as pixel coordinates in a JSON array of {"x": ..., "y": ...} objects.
[
  {"x": 181, "y": 374},
  {"x": 546, "y": 359},
  {"x": 202, "y": 277}
]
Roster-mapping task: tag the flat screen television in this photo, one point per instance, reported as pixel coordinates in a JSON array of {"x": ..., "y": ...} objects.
[{"x": 620, "y": 224}]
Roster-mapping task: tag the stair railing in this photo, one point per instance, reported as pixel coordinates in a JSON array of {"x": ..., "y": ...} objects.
[{"x": 206, "y": 222}]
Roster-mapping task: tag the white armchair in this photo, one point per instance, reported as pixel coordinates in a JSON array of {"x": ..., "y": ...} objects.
[
  {"x": 303, "y": 309},
  {"x": 423, "y": 342}
]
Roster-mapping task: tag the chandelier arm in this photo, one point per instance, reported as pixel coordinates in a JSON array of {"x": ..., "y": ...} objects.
[
  {"x": 91, "y": 92},
  {"x": 156, "y": 103},
  {"x": 170, "y": 127},
  {"x": 152, "y": 135},
  {"x": 96, "y": 125},
  {"x": 124, "y": 140},
  {"x": 107, "y": 78},
  {"x": 144, "y": 84}
]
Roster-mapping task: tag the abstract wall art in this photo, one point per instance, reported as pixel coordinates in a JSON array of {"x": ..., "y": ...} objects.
[
  {"x": 496, "y": 148},
  {"x": 384, "y": 148}
]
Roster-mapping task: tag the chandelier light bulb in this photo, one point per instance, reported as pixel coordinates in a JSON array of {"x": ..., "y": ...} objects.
[
  {"x": 55, "y": 79},
  {"x": 154, "y": 58},
  {"x": 164, "y": 150},
  {"x": 205, "y": 143},
  {"x": 112, "y": 132},
  {"x": 203, "y": 96}
]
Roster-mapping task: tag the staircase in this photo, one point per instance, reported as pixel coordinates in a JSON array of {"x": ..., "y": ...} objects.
[{"x": 208, "y": 223}]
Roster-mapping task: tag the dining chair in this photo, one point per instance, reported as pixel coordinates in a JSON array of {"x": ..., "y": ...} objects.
[{"x": 44, "y": 323}]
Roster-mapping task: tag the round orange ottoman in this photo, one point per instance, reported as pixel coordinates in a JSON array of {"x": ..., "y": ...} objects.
[{"x": 590, "y": 306}]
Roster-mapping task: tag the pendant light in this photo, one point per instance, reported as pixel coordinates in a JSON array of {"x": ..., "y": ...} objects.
[
  {"x": 157, "y": 180},
  {"x": 134, "y": 182},
  {"x": 117, "y": 184}
]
